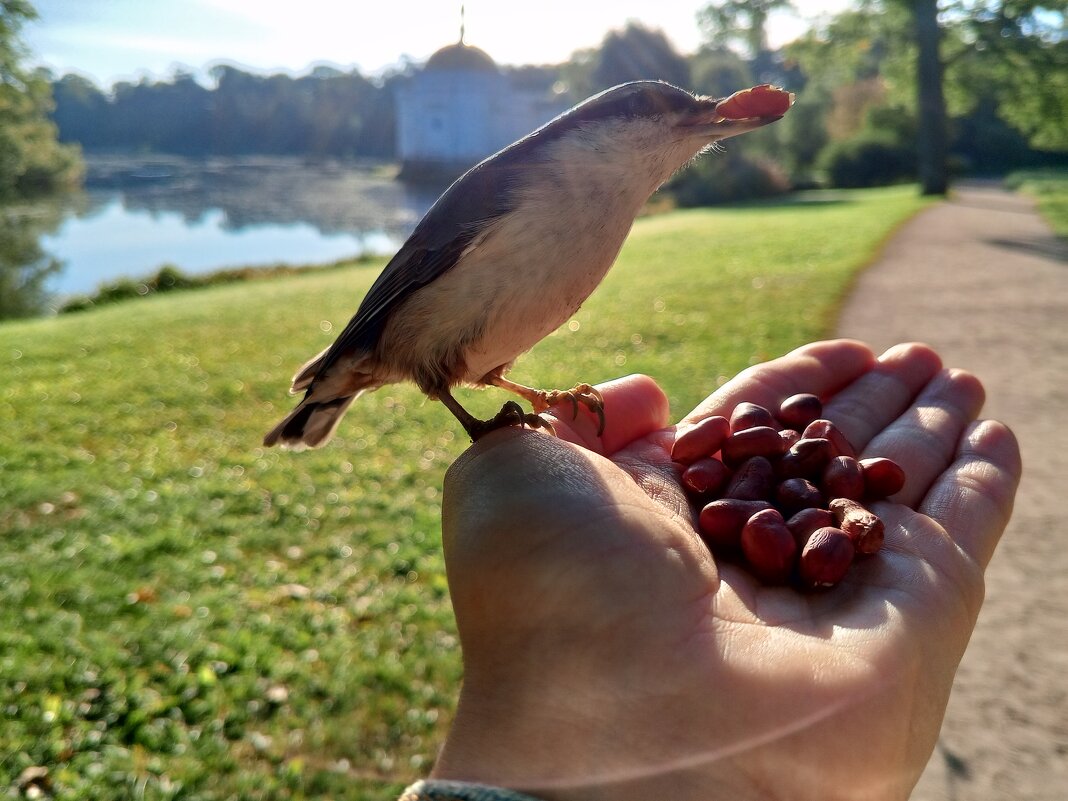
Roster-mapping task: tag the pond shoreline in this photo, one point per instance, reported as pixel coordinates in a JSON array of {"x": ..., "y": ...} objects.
[{"x": 139, "y": 213}]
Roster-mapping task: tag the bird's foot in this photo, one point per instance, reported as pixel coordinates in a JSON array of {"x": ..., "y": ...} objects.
[
  {"x": 581, "y": 393},
  {"x": 511, "y": 414}
]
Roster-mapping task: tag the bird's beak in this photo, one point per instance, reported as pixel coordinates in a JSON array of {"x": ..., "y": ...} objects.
[{"x": 707, "y": 123}]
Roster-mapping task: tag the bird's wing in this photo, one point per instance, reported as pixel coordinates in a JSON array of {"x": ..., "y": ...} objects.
[{"x": 437, "y": 243}]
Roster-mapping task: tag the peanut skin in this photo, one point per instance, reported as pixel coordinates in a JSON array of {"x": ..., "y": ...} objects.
[{"x": 863, "y": 527}]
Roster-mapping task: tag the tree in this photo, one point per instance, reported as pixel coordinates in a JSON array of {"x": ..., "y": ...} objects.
[
  {"x": 1000, "y": 98},
  {"x": 31, "y": 159},
  {"x": 931, "y": 144},
  {"x": 638, "y": 53},
  {"x": 1012, "y": 54},
  {"x": 726, "y": 23}
]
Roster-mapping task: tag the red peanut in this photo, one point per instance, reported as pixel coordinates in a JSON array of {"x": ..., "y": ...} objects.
[
  {"x": 749, "y": 442},
  {"x": 790, "y": 437},
  {"x": 795, "y": 494},
  {"x": 754, "y": 481},
  {"x": 843, "y": 478},
  {"x": 826, "y": 557},
  {"x": 721, "y": 521},
  {"x": 882, "y": 477},
  {"x": 799, "y": 410},
  {"x": 701, "y": 439},
  {"x": 806, "y": 458},
  {"x": 825, "y": 429},
  {"x": 750, "y": 415},
  {"x": 705, "y": 477},
  {"x": 806, "y": 521},
  {"x": 769, "y": 546}
]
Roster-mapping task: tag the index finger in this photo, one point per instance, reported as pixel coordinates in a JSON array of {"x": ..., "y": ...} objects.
[{"x": 821, "y": 368}]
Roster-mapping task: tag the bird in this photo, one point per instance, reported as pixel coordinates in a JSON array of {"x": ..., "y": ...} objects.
[{"x": 509, "y": 252}]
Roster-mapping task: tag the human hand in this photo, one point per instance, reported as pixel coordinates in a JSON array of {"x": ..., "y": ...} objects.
[{"x": 607, "y": 654}]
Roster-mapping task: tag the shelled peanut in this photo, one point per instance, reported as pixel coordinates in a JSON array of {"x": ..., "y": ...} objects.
[{"x": 784, "y": 492}]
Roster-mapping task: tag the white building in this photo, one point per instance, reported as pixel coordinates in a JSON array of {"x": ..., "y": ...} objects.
[{"x": 461, "y": 108}]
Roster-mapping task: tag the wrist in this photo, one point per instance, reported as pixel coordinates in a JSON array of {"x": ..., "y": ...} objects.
[{"x": 556, "y": 752}]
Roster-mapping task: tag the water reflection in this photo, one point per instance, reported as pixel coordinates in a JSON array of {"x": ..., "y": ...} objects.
[
  {"x": 333, "y": 197},
  {"x": 136, "y": 215},
  {"x": 26, "y": 268}
]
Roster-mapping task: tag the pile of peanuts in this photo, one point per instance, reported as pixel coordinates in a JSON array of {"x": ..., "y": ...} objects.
[{"x": 785, "y": 493}]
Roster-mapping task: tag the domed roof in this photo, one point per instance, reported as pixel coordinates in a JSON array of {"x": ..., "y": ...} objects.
[{"x": 460, "y": 56}]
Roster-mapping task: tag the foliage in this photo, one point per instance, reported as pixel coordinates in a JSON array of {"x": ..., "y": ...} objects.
[
  {"x": 170, "y": 278},
  {"x": 868, "y": 159},
  {"x": 324, "y": 113},
  {"x": 1014, "y": 52},
  {"x": 1050, "y": 190},
  {"x": 802, "y": 136},
  {"x": 727, "y": 177},
  {"x": 1007, "y": 55},
  {"x": 185, "y": 615},
  {"x": 727, "y": 23},
  {"x": 31, "y": 161},
  {"x": 719, "y": 72},
  {"x": 632, "y": 54},
  {"x": 639, "y": 53}
]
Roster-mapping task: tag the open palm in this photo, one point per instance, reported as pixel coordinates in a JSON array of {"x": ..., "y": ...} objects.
[{"x": 608, "y": 654}]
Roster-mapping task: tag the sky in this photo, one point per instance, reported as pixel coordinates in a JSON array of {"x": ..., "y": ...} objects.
[{"x": 111, "y": 40}]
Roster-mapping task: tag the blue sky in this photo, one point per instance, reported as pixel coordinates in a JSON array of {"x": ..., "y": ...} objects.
[{"x": 109, "y": 40}]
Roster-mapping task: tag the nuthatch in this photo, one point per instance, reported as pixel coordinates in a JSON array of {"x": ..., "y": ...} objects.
[{"x": 506, "y": 255}]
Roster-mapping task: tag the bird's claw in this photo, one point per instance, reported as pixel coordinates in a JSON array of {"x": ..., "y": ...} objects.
[
  {"x": 588, "y": 396},
  {"x": 511, "y": 414}
]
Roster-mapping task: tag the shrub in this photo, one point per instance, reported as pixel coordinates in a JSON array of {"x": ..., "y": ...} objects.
[
  {"x": 726, "y": 178},
  {"x": 170, "y": 277},
  {"x": 868, "y": 159}
]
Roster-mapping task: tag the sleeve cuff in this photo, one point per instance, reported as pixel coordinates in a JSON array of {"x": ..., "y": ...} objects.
[{"x": 445, "y": 790}]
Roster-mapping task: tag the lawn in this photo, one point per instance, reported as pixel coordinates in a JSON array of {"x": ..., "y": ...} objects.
[
  {"x": 1049, "y": 188},
  {"x": 184, "y": 614}
]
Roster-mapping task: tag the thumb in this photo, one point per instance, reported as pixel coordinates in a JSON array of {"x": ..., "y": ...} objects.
[{"x": 634, "y": 406}]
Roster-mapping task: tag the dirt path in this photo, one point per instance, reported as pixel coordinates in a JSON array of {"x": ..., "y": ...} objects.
[{"x": 982, "y": 278}]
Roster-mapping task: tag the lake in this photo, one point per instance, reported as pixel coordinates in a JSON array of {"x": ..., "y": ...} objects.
[{"x": 137, "y": 215}]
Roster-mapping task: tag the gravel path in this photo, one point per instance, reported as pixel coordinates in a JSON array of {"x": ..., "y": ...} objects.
[{"x": 982, "y": 278}]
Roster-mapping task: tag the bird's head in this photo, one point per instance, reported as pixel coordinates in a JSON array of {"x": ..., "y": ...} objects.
[
  {"x": 644, "y": 126},
  {"x": 673, "y": 113}
]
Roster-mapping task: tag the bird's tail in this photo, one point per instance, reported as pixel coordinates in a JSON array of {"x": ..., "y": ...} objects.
[
  {"x": 311, "y": 424},
  {"x": 307, "y": 373}
]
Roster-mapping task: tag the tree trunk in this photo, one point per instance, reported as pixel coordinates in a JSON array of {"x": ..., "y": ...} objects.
[{"x": 932, "y": 143}]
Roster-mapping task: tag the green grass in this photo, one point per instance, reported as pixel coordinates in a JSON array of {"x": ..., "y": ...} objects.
[
  {"x": 184, "y": 614},
  {"x": 1050, "y": 190}
]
